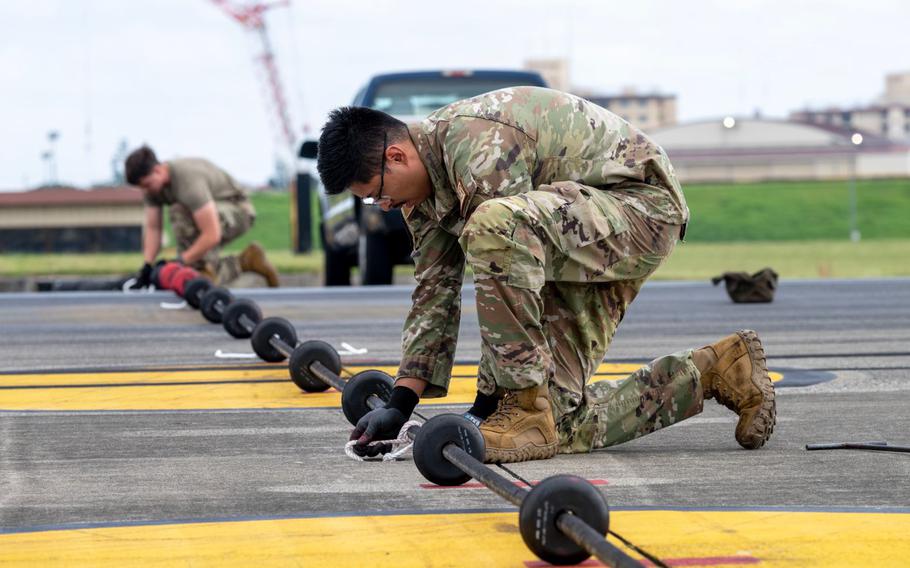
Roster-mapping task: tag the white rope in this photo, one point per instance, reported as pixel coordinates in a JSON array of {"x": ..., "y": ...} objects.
[
  {"x": 128, "y": 287},
  {"x": 402, "y": 441}
]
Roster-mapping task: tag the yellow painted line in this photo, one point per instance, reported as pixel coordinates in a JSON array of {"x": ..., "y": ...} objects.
[
  {"x": 206, "y": 389},
  {"x": 691, "y": 538},
  {"x": 278, "y": 372}
]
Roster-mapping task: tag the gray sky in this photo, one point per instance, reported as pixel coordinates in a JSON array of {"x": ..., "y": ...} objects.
[{"x": 179, "y": 74}]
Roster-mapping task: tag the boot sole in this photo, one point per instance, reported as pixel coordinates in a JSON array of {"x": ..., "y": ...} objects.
[
  {"x": 765, "y": 418},
  {"x": 525, "y": 453}
]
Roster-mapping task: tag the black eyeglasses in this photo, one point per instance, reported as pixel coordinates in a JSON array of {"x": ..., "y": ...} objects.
[{"x": 375, "y": 200}]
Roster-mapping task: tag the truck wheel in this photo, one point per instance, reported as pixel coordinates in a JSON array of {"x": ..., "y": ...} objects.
[
  {"x": 376, "y": 260},
  {"x": 336, "y": 269}
]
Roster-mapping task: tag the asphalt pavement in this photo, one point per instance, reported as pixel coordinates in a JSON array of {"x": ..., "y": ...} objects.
[{"x": 841, "y": 346}]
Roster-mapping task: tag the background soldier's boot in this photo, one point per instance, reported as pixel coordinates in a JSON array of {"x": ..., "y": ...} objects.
[
  {"x": 207, "y": 271},
  {"x": 253, "y": 259},
  {"x": 734, "y": 371},
  {"x": 522, "y": 428}
]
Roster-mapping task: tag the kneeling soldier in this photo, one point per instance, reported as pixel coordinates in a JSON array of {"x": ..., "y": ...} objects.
[
  {"x": 208, "y": 209},
  {"x": 562, "y": 210}
]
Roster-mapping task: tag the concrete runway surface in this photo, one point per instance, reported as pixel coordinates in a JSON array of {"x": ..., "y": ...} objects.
[{"x": 125, "y": 440}]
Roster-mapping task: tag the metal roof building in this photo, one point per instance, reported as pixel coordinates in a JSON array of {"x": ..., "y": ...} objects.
[
  {"x": 755, "y": 149},
  {"x": 65, "y": 219}
]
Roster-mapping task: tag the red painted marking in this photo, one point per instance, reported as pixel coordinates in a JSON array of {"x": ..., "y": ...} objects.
[
  {"x": 480, "y": 485},
  {"x": 690, "y": 561},
  {"x": 542, "y": 564},
  {"x": 707, "y": 561}
]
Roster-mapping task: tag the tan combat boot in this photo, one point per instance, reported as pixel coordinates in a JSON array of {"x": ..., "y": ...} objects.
[
  {"x": 522, "y": 428},
  {"x": 733, "y": 371},
  {"x": 207, "y": 271},
  {"x": 253, "y": 259}
]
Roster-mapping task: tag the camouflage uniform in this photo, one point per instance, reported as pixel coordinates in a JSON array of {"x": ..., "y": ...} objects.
[
  {"x": 562, "y": 210},
  {"x": 234, "y": 220},
  {"x": 195, "y": 182}
]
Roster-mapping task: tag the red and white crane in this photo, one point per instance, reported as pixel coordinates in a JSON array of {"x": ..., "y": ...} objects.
[{"x": 252, "y": 17}]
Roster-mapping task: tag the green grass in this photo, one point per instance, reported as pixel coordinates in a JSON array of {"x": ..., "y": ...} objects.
[
  {"x": 773, "y": 211},
  {"x": 802, "y": 259},
  {"x": 800, "y": 229},
  {"x": 792, "y": 211},
  {"x": 272, "y": 228},
  {"x": 690, "y": 261},
  {"x": 18, "y": 265}
]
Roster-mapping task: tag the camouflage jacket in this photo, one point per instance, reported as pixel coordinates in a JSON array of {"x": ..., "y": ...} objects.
[{"x": 504, "y": 143}]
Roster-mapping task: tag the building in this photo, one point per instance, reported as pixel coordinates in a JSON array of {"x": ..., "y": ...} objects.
[
  {"x": 754, "y": 149},
  {"x": 647, "y": 111},
  {"x": 888, "y": 116},
  {"x": 65, "y": 219},
  {"x": 554, "y": 71}
]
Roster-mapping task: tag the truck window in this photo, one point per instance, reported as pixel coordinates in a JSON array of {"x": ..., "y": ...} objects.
[
  {"x": 420, "y": 97},
  {"x": 358, "y": 98}
]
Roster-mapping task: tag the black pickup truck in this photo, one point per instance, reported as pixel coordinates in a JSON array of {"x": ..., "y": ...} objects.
[{"x": 364, "y": 236}]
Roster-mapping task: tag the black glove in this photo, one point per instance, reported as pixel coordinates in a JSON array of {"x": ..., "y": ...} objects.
[
  {"x": 143, "y": 277},
  {"x": 384, "y": 423}
]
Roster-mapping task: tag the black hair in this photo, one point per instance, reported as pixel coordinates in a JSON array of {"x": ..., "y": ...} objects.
[
  {"x": 139, "y": 164},
  {"x": 350, "y": 147}
]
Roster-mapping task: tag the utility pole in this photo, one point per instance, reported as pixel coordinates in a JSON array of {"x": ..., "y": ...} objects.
[
  {"x": 855, "y": 235},
  {"x": 120, "y": 154},
  {"x": 50, "y": 156},
  {"x": 46, "y": 156}
]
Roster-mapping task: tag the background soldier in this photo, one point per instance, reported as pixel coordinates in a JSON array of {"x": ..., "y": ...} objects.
[
  {"x": 208, "y": 209},
  {"x": 562, "y": 210}
]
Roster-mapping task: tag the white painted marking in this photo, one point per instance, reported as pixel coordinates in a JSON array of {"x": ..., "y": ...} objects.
[
  {"x": 222, "y": 355},
  {"x": 290, "y": 488},
  {"x": 173, "y": 305},
  {"x": 351, "y": 350},
  {"x": 128, "y": 288}
]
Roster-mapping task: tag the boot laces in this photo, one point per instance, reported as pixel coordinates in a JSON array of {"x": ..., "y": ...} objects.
[
  {"x": 723, "y": 391},
  {"x": 507, "y": 409},
  {"x": 727, "y": 397}
]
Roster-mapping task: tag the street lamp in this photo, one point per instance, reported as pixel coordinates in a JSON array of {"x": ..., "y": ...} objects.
[
  {"x": 856, "y": 139},
  {"x": 51, "y": 156},
  {"x": 47, "y": 156}
]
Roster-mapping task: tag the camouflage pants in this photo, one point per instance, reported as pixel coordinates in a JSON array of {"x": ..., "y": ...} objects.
[
  {"x": 235, "y": 219},
  {"x": 659, "y": 394},
  {"x": 555, "y": 270}
]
